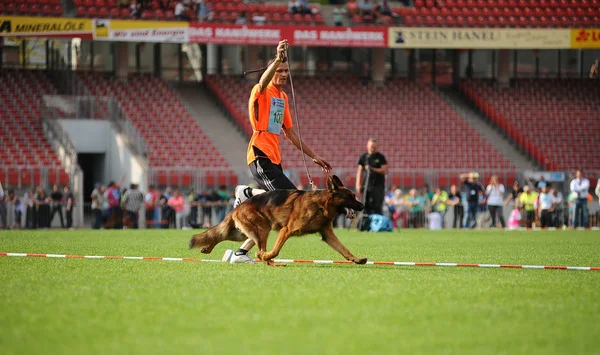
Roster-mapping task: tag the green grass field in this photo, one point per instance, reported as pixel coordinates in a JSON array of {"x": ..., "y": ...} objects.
[{"x": 87, "y": 306}]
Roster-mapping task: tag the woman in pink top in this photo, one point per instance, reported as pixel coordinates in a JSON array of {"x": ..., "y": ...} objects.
[{"x": 177, "y": 202}]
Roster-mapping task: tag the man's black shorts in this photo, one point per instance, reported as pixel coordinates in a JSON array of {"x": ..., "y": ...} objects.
[{"x": 270, "y": 176}]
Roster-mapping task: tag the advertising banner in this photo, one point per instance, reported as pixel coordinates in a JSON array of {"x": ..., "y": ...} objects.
[
  {"x": 487, "y": 38},
  {"x": 313, "y": 36},
  {"x": 141, "y": 31},
  {"x": 235, "y": 34},
  {"x": 585, "y": 38},
  {"x": 17, "y": 26},
  {"x": 340, "y": 37},
  {"x": 296, "y": 36}
]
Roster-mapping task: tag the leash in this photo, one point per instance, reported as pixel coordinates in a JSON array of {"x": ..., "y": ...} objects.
[{"x": 310, "y": 180}]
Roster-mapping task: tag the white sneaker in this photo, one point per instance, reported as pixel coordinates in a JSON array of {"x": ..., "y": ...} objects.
[
  {"x": 227, "y": 256},
  {"x": 236, "y": 259},
  {"x": 230, "y": 257},
  {"x": 242, "y": 193}
]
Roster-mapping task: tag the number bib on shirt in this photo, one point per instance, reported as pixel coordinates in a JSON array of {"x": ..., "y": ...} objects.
[{"x": 276, "y": 115}]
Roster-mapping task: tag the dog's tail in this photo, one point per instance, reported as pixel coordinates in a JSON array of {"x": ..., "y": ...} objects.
[{"x": 223, "y": 231}]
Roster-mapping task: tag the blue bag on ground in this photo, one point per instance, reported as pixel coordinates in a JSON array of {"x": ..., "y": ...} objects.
[{"x": 380, "y": 223}]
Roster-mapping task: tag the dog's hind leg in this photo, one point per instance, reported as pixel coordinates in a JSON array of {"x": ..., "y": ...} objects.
[
  {"x": 332, "y": 240},
  {"x": 213, "y": 236}
]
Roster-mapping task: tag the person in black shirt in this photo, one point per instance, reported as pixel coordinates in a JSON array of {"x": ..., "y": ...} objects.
[
  {"x": 56, "y": 198},
  {"x": 43, "y": 209},
  {"x": 165, "y": 211},
  {"x": 473, "y": 190},
  {"x": 69, "y": 204},
  {"x": 455, "y": 199},
  {"x": 376, "y": 164},
  {"x": 516, "y": 191}
]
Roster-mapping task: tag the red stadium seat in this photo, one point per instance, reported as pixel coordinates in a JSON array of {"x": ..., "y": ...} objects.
[
  {"x": 103, "y": 13},
  {"x": 34, "y": 9},
  {"x": 81, "y": 11},
  {"x": 92, "y": 12},
  {"x": 533, "y": 21},
  {"x": 587, "y": 22},
  {"x": 47, "y": 10}
]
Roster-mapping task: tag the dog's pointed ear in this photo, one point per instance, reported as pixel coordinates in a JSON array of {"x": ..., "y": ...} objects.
[
  {"x": 331, "y": 184},
  {"x": 336, "y": 180}
]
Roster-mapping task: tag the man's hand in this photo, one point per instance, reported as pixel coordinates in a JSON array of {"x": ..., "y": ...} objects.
[
  {"x": 281, "y": 50},
  {"x": 322, "y": 163},
  {"x": 594, "y": 70}
]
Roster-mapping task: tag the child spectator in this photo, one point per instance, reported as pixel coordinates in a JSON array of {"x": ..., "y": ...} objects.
[{"x": 514, "y": 219}]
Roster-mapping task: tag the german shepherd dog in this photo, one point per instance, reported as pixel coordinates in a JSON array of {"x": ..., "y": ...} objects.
[{"x": 291, "y": 212}]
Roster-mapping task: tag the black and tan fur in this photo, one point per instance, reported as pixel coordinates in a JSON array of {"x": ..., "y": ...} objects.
[{"x": 291, "y": 212}]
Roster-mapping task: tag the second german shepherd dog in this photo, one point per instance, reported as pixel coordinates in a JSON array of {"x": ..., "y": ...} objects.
[{"x": 291, "y": 212}]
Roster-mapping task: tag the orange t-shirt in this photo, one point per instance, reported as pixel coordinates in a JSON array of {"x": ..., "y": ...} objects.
[{"x": 268, "y": 112}]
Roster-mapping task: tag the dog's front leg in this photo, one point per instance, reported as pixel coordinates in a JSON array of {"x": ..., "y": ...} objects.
[
  {"x": 267, "y": 257},
  {"x": 332, "y": 240}
]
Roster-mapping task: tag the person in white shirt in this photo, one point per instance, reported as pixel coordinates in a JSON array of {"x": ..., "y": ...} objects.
[
  {"x": 546, "y": 205},
  {"x": 580, "y": 186},
  {"x": 181, "y": 12},
  {"x": 495, "y": 200}
]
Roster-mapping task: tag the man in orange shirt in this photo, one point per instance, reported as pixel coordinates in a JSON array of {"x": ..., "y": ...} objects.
[{"x": 269, "y": 113}]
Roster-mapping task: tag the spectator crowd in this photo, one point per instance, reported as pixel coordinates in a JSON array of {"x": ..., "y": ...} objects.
[
  {"x": 37, "y": 208},
  {"x": 469, "y": 205},
  {"x": 473, "y": 205},
  {"x": 202, "y": 10},
  {"x": 116, "y": 208}
]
